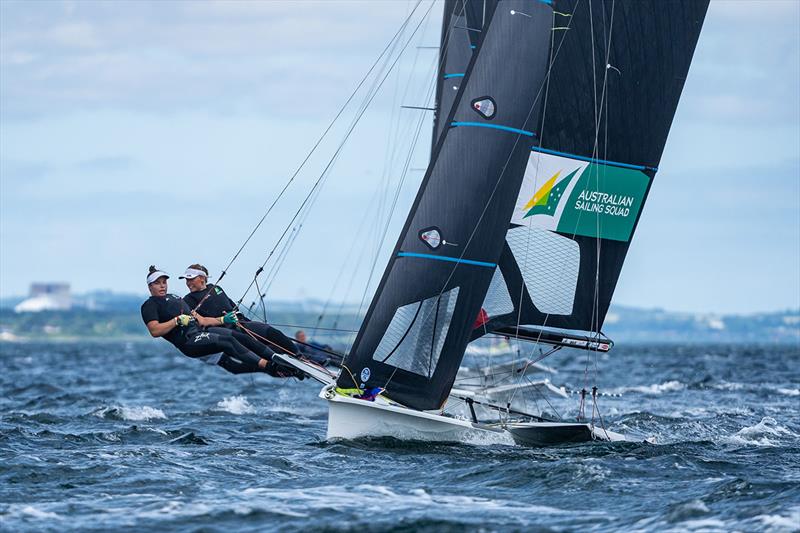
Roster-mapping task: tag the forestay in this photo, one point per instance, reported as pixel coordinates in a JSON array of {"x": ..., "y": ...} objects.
[{"x": 422, "y": 316}]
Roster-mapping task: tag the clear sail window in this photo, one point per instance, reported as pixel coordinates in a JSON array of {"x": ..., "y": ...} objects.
[
  {"x": 485, "y": 107},
  {"x": 549, "y": 264},
  {"x": 415, "y": 336},
  {"x": 498, "y": 300}
]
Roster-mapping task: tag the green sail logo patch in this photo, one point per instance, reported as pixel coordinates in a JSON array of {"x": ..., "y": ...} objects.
[
  {"x": 545, "y": 200},
  {"x": 604, "y": 201}
]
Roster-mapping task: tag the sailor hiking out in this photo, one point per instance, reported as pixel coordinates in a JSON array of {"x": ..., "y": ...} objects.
[
  {"x": 167, "y": 315},
  {"x": 208, "y": 301}
]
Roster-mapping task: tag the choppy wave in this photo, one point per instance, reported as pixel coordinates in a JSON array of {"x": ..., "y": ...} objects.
[
  {"x": 131, "y": 413},
  {"x": 236, "y": 405},
  {"x": 654, "y": 389},
  {"x": 766, "y": 433},
  {"x": 154, "y": 441}
]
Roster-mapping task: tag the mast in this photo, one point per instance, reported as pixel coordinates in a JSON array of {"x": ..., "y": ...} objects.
[
  {"x": 611, "y": 97},
  {"x": 421, "y": 318}
]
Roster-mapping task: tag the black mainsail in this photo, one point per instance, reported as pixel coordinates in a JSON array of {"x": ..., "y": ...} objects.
[
  {"x": 421, "y": 318},
  {"x": 617, "y": 75}
]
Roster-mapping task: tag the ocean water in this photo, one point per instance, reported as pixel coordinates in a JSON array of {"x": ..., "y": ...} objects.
[{"x": 134, "y": 436}]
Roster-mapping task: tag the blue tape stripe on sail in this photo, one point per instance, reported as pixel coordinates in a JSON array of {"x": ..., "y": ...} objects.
[
  {"x": 494, "y": 126},
  {"x": 590, "y": 160},
  {"x": 448, "y": 259},
  {"x": 548, "y": 2},
  {"x": 455, "y": 75}
]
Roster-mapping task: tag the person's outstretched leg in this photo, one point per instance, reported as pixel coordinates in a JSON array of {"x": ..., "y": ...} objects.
[
  {"x": 245, "y": 340},
  {"x": 235, "y": 358},
  {"x": 272, "y": 337}
]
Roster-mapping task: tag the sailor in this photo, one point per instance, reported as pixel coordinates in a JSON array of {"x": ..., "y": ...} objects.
[
  {"x": 208, "y": 300},
  {"x": 167, "y": 315},
  {"x": 319, "y": 353}
]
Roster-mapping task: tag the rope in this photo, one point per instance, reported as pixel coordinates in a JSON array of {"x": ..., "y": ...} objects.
[
  {"x": 298, "y": 356},
  {"x": 341, "y": 145},
  {"x": 319, "y": 141}
]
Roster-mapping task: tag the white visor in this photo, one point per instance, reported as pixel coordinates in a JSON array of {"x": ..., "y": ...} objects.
[
  {"x": 155, "y": 275},
  {"x": 192, "y": 273}
]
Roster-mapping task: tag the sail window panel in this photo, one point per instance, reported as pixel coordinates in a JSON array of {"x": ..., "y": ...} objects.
[
  {"x": 415, "y": 336},
  {"x": 549, "y": 264},
  {"x": 498, "y": 299}
]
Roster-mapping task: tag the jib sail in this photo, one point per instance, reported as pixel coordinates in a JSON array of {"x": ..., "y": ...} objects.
[{"x": 422, "y": 316}]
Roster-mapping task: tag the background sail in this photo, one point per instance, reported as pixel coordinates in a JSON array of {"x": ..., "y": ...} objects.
[
  {"x": 420, "y": 320},
  {"x": 606, "y": 119},
  {"x": 462, "y": 25}
]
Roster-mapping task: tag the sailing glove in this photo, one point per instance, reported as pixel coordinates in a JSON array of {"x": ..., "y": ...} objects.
[
  {"x": 183, "y": 320},
  {"x": 230, "y": 318}
]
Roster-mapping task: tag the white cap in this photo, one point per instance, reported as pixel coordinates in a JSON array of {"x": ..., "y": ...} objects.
[
  {"x": 155, "y": 275},
  {"x": 192, "y": 273}
]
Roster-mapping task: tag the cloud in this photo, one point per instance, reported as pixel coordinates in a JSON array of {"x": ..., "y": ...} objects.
[{"x": 247, "y": 57}]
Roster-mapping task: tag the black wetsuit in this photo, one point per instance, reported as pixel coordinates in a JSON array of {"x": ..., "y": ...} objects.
[
  {"x": 192, "y": 341},
  {"x": 218, "y": 304}
]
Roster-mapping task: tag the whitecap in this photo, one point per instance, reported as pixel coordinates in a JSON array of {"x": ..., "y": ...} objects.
[
  {"x": 33, "y": 512},
  {"x": 789, "y": 392},
  {"x": 776, "y": 522},
  {"x": 237, "y": 405},
  {"x": 705, "y": 524},
  {"x": 132, "y": 413},
  {"x": 656, "y": 388},
  {"x": 762, "y": 434},
  {"x": 143, "y": 412}
]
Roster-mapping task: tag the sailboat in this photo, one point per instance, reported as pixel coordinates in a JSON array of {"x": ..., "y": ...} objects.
[{"x": 551, "y": 118}]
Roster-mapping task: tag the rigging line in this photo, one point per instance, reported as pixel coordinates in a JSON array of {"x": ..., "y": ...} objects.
[
  {"x": 497, "y": 183},
  {"x": 289, "y": 242},
  {"x": 376, "y": 201},
  {"x": 300, "y": 326},
  {"x": 546, "y": 87},
  {"x": 408, "y": 330},
  {"x": 604, "y": 99},
  {"x": 263, "y": 305},
  {"x": 544, "y": 397},
  {"x": 595, "y": 153},
  {"x": 404, "y": 174},
  {"x": 339, "y": 149},
  {"x": 324, "y": 134},
  {"x": 316, "y": 192},
  {"x": 348, "y": 255},
  {"x": 298, "y": 356},
  {"x": 597, "y": 181},
  {"x": 395, "y": 144},
  {"x": 441, "y": 59}
]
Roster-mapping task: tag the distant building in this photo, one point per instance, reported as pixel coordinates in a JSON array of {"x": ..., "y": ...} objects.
[{"x": 46, "y": 297}]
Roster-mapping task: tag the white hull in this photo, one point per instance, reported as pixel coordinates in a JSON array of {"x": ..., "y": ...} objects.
[{"x": 350, "y": 418}]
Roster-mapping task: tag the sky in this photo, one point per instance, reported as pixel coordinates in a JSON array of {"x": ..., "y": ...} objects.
[{"x": 138, "y": 133}]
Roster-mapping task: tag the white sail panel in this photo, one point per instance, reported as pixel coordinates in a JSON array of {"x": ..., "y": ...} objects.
[
  {"x": 413, "y": 341},
  {"x": 549, "y": 264},
  {"x": 498, "y": 300}
]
